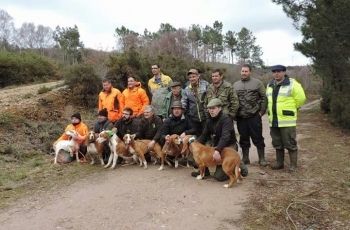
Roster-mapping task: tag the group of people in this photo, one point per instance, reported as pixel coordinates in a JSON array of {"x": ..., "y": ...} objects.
[{"x": 207, "y": 110}]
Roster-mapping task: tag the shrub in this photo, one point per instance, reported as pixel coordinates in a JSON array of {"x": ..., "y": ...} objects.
[{"x": 44, "y": 89}]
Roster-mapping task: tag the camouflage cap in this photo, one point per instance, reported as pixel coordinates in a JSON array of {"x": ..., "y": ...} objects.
[{"x": 214, "y": 102}]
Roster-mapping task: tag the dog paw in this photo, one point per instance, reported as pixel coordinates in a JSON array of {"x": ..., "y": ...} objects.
[
  {"x": 239, "y": 181},
  {"x": 161, "y": 168},
  {"x": 199, "y": 177},
  {"x": 225, "y": 185},
  {"x": 176, "y": 164}
]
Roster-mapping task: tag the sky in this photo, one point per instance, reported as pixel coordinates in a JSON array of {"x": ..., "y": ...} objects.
[{"x": 97, "y": 20}]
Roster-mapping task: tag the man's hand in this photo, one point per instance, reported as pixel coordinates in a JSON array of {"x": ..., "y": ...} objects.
[
  {"x": 76, "y": 138},
  {"x": 167, "y": 138},
  {"x": 151, "y": 145},
  {"x": 217, "y": 157}
]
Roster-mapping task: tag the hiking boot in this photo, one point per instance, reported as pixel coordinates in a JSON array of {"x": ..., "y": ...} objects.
[
  {"x": 206, "y": 173},
  {"x": 245, "y": 158},
  {"x": 261, "y": 154},
  {"x": 280, "y": 160},
  {"x": 293, "y": 156}
]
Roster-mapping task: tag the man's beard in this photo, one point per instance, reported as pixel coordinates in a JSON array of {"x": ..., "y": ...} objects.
[{"x": 126, "y": 119}]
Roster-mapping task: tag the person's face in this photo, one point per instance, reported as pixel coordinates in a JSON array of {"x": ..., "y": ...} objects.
[
  {"x": 107, "y": 86},
  {"x": 75, "y": 120},
  {"x": 216, "y": 78},
  {"x": 177, "y": 112},
  {"x": 245, "y": 72},
  {"x": 176, "y": 90},
  {"x": 193, "y": 78},
  {"x": 126, "y": 116},
  {"x": 131, "y": 83},
  {"x": 278, "y": 75},
  {"x": 155, "y": 70},
  {"x": 214, "y": 111},
  {"x": 148, "y": 114},
  {"x": 101, "y": 118}
]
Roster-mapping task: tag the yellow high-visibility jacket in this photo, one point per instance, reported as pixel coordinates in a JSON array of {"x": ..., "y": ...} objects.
[{"x": 284, "y": 100}]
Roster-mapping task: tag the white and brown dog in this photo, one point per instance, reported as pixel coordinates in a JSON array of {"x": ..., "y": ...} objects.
[
  {"x": 95, "y": 144},
  {"x": 118, "y": 149},
  {"x": 203, "y": 155},
  {"x": 140, "y": 147},
  {"x": 71, "y": 145},
  {"x": 174, "y": 147}
]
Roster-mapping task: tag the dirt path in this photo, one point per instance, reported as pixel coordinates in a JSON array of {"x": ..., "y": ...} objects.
[
  {"x": 15, "y": 95},
  {"x": 134, "y": 198}
]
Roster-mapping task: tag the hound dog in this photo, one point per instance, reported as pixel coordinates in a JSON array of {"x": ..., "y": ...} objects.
[
  {"x": 203, "y": 155},
  {"x": 71, "y": 145},
  {"x": 118, "y": 149},
  {"x": 95, "y": 144},
  {"x": 140, "y": 147},
  {"x": 173, "y": 148}
]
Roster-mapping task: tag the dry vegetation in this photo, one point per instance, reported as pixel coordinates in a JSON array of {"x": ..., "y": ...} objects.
[{"x": 317, "y": 196}]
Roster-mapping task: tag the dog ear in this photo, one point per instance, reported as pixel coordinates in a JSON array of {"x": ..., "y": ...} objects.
[{"x": 184, "y": 145}]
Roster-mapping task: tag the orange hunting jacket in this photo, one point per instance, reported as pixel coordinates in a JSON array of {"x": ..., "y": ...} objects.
[
  {"x": 136, "y": 99},
  {"x": 81, "y": 128},
  {"x": 113, "y": 102}
]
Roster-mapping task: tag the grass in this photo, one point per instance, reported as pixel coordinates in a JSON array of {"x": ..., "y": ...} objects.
[
  {"x": 318, "y": 194},
  {"x": 44, "y": 89}
]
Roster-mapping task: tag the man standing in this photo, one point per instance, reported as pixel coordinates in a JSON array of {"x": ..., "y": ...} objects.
[
  {"x": 135, "y": 97},
  {"x": 158, "y": 85},
  {"x": 221, "y": 89},
  {"x": 252, "y": 106},
  {"x": 285, "y": 96},
  {"x": 173, "y": 96},
  {"x": 219, "y": 127},
  {"x": 111, "y": 99},
  {"x": 193, "y": 100}
]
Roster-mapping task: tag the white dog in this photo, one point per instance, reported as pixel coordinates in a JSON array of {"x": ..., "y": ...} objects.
[{"x": 71, "y": 146}]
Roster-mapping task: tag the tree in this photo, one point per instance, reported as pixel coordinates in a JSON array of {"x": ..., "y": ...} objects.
[
  {"x": 6, "y": 29},
  {"x": 247, "y": 51},
  {"x": 231, "y": 43},
  {"x": 69, "y": 40},
  {"x": 325, "y": 27},
  {"x": 126, "y": 38},
  {"x": 194, "y": 35}
]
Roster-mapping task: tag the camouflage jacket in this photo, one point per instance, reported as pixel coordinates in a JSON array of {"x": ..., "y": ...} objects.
[
  {"x": 251, "y": 96},
  {"x": 227, "y": 94}
]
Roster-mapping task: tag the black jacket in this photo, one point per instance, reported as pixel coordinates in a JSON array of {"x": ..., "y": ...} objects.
[
  {"x": 149, "y": 130},
  {"x": 177, "y": 125},
  {"x": 129, "y": 127},
  {"x": 220, "y": 129}
]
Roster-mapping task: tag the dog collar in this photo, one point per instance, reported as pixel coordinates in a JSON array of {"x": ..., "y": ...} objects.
[
  {"x": 110, "y": 133},
  {"x": 192, "y": 139}
]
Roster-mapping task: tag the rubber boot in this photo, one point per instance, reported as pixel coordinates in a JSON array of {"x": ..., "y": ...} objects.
[
  {"x": 280, "y": 160},
  {"x": 244, "y": 169},
  {"x": 261, "y": 154},
  {"x": 293, "y": 156},
  {"x": 206, "y": 173},
  {"x": 245, "y": 158}
]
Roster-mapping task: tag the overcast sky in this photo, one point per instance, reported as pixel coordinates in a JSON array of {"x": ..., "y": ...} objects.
[{"x": 97, "y": 20}]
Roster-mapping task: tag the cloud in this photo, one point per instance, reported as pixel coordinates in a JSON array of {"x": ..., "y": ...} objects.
[{"x": 97, "y": 20}]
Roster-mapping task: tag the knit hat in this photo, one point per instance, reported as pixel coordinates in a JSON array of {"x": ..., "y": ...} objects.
[
  {"x": 103, "y": 112},
  {"x": 76, "y": 115}
]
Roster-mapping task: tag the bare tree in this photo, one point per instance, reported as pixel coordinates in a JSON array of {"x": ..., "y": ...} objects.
[{"x": 6, "y": 29}]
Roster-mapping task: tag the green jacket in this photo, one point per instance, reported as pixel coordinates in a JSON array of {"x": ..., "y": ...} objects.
[
  {"x": 252, "y": 97},
  {"x": 227, "y": 95},
  {"x": 166, "y": 103}
]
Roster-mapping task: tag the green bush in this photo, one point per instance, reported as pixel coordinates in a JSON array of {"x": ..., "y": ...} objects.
[
  {"x": 25, "y": 68},
  {"x": 10, "y": 120},
  {"x": 44, "y": 89},
  {"x": 84, "y": 84}
]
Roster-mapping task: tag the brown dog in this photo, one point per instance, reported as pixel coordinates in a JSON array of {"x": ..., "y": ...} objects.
[
  {"x": 140, "y": 147},
  {"x": 174, "y": 147},
  {"x": 203, "y": 155},
  {"x": 95, "y": 145}
]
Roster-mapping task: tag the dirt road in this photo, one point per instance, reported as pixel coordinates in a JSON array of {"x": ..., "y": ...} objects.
[{"x": 133, "y": 198}]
